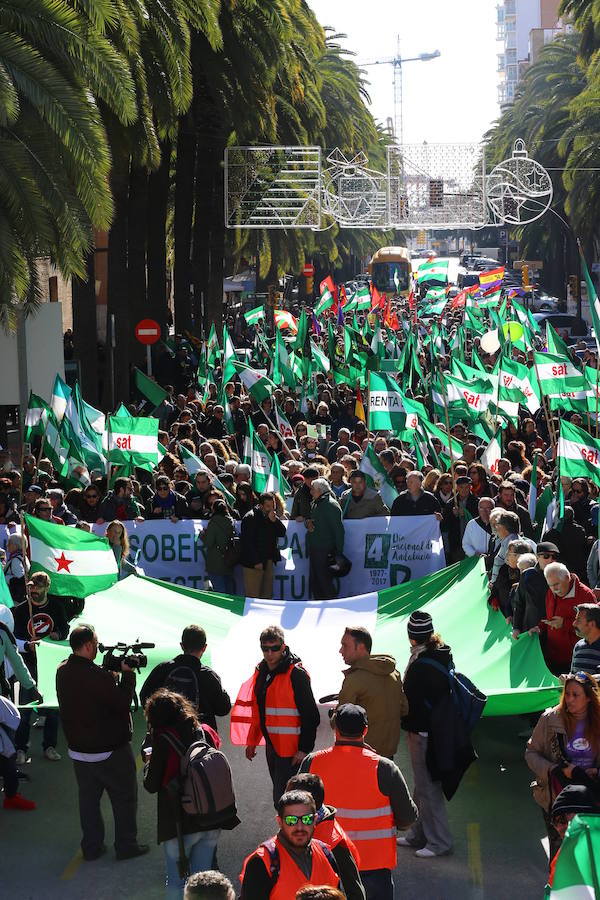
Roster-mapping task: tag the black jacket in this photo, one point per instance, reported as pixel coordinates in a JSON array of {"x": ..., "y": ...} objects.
[
  {"x": 573, "y": 545},
  {"x": 302, "y": 503},
  {"x": 404, "y": 505},
  {"x": 214, "y": 700},
  {"x": 303, "y": 695},
  {"x": 168, "y": 807},
  {"x": 94, "y": 708},
  {"x": 259, "y": 538},
  {"x": 529, "y": 599},
  {"x": 424, "y": 686}
]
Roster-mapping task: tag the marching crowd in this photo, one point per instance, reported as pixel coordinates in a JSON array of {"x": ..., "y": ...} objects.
[{"x": 341, "y": 813}]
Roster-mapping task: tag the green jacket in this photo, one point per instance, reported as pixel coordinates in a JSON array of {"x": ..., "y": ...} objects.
[
  {"x": 329, "y": 529},
  {"x": 218, "y": 533}
]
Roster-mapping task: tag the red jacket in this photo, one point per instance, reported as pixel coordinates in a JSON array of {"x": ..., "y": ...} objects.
[{"x": 560, "y": 641}]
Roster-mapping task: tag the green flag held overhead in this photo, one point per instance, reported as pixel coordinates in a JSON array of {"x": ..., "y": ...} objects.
[
  {"x": 578, "y": 453},
  {"x": 60, "y": 395},
  {"x": 377, "y": 477},
  {"x": 148, "y": 388},
  {"x": 75, "y": 472},
  {"x": 326, "y": 301},
  {"x": 463, "y": 398},
  {"x": 261, "y": 465},
  {"x": 434, "y": 270},
  {"x": 386, "y": 404},
  {"x": 592, "y": 298},
  {"x": 132, "y": 439},
  {"x": 35, "y": 418},
  {"x": 259, "y": 386},
  {"x": 254, "y": 316},
  {"x": 558, "y": 375},
  {"x": 78, "y": 563},
  {"x": 194, "y": 464},
  {"x": 229, "y": 356}
]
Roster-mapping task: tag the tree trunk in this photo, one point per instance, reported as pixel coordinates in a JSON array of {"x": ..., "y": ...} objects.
[
  {"x": 158, "y": 198},
  {"x": 137, "y": 217},
  {"x": 200, "y": 248},
  {"x": 85, "y": 333},
  {"x": 184, "y": 207},
  {"x": 118, "y": 304},
  {"x": 213, "y": 304}
]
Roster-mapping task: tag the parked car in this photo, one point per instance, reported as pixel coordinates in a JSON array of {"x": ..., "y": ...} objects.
[{"x": 562, "y": 322}]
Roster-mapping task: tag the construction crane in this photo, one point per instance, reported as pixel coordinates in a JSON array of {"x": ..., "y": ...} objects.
[{"x": 397, "y": 62}]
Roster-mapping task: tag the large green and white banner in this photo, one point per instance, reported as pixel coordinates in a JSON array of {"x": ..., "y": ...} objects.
[{"x": 385, "y": 551}]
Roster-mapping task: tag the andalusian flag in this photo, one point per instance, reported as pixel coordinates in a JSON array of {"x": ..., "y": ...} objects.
[
  {"x": 261, "y": 465},
  {"x": 75, "y": 472},
  {"x": 377, "y": 477},
  {"x": 285, "y": 429},
  {"x": 194, "y": 464},
  {"x": 491, "y": 455},
  {"x": 60, "y": 395},
  {"x": 362, "y": 298},
  {"x": 228, "y": 356},
  {"x": 78, "y": 563},
  {"x": 133, "y": 440},
  {"x": 76, "y": 430},
  {"x": 259, "y": 386},
  {"x": 515, "y": 385},
  {"x": 386, "y": 404},
  {"x": 463, "y": 398},
  {"x": 326, "y": 301},
  {"x": 578, "y": 453},
  {"x": 575, "y": 875},
  {"x": 433, "y": 270},
  {"x": 254, "y": 316},
  {"x": 35, "y": 418},
  {"x": 592, "y": 298},
  {"x": 558, "y": 375}
]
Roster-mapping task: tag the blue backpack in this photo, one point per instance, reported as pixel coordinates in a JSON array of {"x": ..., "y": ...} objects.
[{"x": 468, "y": 699}]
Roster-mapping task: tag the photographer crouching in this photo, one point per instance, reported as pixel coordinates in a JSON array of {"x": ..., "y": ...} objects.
[{"x": 94, "y": 705}]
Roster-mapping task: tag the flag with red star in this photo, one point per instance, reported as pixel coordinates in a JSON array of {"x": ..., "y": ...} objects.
[{"x": 78, "y": 563}]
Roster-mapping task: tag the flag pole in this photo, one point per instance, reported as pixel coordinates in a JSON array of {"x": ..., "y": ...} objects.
[
  {"x": 368, "y": 409},
  {"x": 27, "y": 592},
  {"x": 597, "y": 385},
  {"x": 443, "y": 384},
  {"x": 549, "y": 424}
]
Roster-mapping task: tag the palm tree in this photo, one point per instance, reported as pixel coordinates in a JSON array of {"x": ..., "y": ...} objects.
[{"x": 55, "y": 64}]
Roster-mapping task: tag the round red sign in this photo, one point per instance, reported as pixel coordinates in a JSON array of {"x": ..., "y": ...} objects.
[{"x": 147, "y": 331}]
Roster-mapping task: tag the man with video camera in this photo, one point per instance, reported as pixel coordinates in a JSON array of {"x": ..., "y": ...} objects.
[{"x": 95, "y": 711}]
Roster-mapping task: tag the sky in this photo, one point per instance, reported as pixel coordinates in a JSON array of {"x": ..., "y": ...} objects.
[{"x": 445, "y": 100}]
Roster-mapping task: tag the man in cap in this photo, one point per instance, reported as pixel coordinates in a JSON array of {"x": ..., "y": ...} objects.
[
  {"x": 370, "y": 795},
  {"x": 586, "y": 652},
  {"x": 463, "y": 511}
]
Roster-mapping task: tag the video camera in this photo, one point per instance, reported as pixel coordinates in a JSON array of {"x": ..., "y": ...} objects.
[{"x": 118, "y": 653}]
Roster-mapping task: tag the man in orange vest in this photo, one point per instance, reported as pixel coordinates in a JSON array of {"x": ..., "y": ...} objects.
[
  {"x": 329, "y": 830},
  {"x": 370, "y": 796},
  {"x": 277, "y": 703},
  {"x": 292, "y": 859}
]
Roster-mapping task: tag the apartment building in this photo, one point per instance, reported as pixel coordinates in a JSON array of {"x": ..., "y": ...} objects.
[{"x": 523, "y": 27}]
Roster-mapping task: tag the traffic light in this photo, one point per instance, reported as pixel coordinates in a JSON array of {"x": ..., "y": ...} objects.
[
  {"x": 310, "y": 285},
  {"x": 272, "y": 295},
  {"x": 525, "y": 277},
  {"x": 573, "y": 286}
]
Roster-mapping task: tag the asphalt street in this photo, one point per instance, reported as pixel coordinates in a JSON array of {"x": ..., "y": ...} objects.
[{"x": 498, "y": 830}]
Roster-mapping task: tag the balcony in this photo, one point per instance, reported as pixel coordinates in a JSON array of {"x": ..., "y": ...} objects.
[
  {"x": 501, "y": 63},
  {"x": 500, "y": 34},
  {"x": 510, "y": 8}
]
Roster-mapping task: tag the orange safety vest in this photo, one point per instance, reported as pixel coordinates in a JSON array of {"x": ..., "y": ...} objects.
[
  {"x": 290, "y": 879},
  {"x": 331, "y": 833},
  {"x": 282, "y": 719},
  {"x": 349, "y": 774}
]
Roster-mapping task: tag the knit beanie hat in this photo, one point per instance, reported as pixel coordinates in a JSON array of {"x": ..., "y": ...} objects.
[
  {"x": 420, "y": 625},
  {"x": 575, "y": 798}
]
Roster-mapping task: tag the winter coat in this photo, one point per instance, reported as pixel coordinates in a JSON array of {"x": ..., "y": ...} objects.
[
  {"x": 302, "y": 503},
  {"x": 328, "y": 533},
  {"x": 529, "y": 599},
  {"x": 593, "y": 567},
  {"x": 370, "y": 504},
  {"x": 219, "y": 531},
  {"x": 259, "y": 538},
  {"x": 111, "y": 503},
  {"x": 425, "y": 505},
  {"x": 543, "y": 753},
  {"x": 177, "y": 507},
  {"x": 476, "y": 539},
  {"x": 425, "y": 686},
  {"x": 374, "y": 683},
  {"x": 571, "y": 540},
  {"x": 560, "y": 641}
]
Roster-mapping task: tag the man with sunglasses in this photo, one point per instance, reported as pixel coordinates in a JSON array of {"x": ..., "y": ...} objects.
[
  {"x": 292, "y": 859},
  {"x": 277, "y": 703}
]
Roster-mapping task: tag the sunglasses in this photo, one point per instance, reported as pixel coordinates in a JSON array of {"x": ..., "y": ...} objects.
[
  {"x": 308, "y": 819},
  {"x": 545, "y": 555},
  {"x": 92, "y": 496},
  {"x": 271, "y": 648}
]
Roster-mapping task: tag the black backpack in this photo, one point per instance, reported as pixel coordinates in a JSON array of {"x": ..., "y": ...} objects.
[{"x": 183, "y": 680}]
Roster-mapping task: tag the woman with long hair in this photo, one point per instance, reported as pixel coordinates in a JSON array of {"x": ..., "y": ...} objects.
[
  {"x": 565, "y": 746},
  {"x": 480, "y": 486},
  {"x": 116, "y": 536},
  {"x": 245, "y": 499},
  {"x": 173, "y": 720}
]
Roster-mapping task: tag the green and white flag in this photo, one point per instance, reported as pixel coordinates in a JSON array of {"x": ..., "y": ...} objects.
[
  {"x": 55, "y": 447},
  {"x": 75, "y": 472},
  {"x": 436, "y": 270},
  {"x": 149, "y": 389},
  {"x": 276, "y": 482},
  {"x": 133, "y": 440},
  {"x": 254, "y": 316},
  {"x": 592, "y": 299},
  {"x": 362, "y": 298},
  {"x": 515, "y": 385},
  {"x": 285, "y": 429},
  {"x": 35, "y": 418},
  {"x": 60, "y": 396},
  {"x": 377, "y": 477},
  {"x": 77, "y": 431},
  {"x": 96, "y": 419},
  {"x": 578, "y": 453},
  {"x": 558, "y": 375},
  {"x": 326, "y": 301},
  {"x": 78, "y": 563},
  {"x": 261, "y": 465},
  {"x": 470, "y": 398},
  {"x": 259, "y": 386},
  {"x": 491, "y": 455},
  {"x": 576, "y": 871},
  {"x": 386, "y": 404},
  {"x": 228, "y": 356},
  {"x": 194, "y": 464}
]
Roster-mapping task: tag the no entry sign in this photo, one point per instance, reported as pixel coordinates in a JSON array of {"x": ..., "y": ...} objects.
[
  {"x": 309, "y": 270},
  {"x": 147, "y": 331}
]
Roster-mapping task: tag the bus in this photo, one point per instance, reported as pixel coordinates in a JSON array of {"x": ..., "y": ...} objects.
[{"x": 388, "y": 262}]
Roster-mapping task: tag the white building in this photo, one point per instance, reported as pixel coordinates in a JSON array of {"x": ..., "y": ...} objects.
[{"x": 523, "y": 26}]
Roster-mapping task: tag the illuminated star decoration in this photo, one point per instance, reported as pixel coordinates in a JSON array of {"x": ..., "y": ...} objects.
[{"x": 63, "y": 563}]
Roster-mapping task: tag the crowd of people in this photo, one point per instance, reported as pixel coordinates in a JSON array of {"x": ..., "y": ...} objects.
[{"x": 342, "y": 812}]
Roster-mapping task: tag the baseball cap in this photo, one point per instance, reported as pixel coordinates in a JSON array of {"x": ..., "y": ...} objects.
[{"x": 350, "y": 719}]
